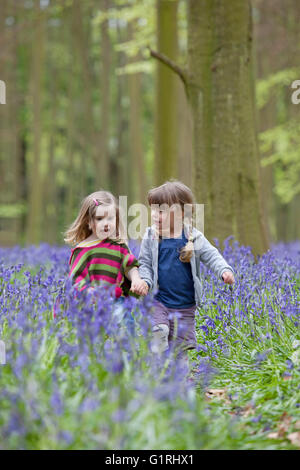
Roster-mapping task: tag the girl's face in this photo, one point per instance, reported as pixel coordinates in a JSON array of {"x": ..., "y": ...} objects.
[
  {"x": 103, "y": 224},
  {"x": 168, "y": 220}
]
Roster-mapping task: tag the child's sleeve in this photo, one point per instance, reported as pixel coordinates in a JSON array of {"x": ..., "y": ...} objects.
[
  {"x": 145, "y": 261},
  {"x": 129, "y": 261},
  {"x": 78, "y": 269},
  {"x": 210, "y": 256}
]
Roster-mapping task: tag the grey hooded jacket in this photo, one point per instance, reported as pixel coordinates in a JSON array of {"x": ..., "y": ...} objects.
[{"x": 204, "y": 251}]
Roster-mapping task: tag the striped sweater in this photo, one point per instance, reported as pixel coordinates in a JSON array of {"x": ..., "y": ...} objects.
[{"x": 107, "y": 261}]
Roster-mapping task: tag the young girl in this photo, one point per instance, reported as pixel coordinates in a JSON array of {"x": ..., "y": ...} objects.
[
  {"x": 101, "y": 255},
  {"x": 169, "y": 259}
]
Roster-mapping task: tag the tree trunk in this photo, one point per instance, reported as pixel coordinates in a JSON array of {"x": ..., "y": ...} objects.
[
  {"x": 267, "y": 119},
  {"x": 185, "y": 138},
  {"x": 51, "y": 204},
  {"x": 73, "y": 175},
  {"x": 166, "y": 128},
  {"x": 135, "y": 131},
  {"x": 9, "y": 132},
  {"x": 119, "y": 164},
  {"x": 103, "y": 165},
  {"x": 35, "y": 190},
  {"x": 277, "y": 52},
  {"x": 81, "y": 44},
  {"x": 16, "y": 151},
  {"x": 220, "y": 92}
]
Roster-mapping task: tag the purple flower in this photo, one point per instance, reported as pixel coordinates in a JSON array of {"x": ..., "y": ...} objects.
[
  {"x": 56, "y": 402},
  {"x": 15, "y": 425},
  {"x": 257, "y": 418},
  {"x": 89, "y": 404},
  {"x": 67, "y": 436},
  {"x": 119, "y": 416}
]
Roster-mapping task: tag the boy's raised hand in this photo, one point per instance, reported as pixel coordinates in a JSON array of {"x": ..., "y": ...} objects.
[{"x": 228, "y": 277}]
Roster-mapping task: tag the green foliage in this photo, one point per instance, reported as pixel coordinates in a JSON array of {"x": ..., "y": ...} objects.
[
  {"x": 12, "y": 210},
  {"x": 282, "y": 144},
  {"x": 272, "y": 85},
  {"x": 138, "y": 17},
  {"x": 136, "y": 67}
]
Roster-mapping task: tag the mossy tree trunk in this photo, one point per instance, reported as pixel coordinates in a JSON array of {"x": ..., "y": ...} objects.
[
  {"x": 219, "y": 81},
  {"x": 221, "y": 95}
]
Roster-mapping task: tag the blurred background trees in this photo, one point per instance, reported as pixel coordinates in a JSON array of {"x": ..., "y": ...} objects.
[{"x": 88, "y": 107}]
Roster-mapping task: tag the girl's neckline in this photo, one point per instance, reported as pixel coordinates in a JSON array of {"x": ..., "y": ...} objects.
[{"x": 90, "y": 243}]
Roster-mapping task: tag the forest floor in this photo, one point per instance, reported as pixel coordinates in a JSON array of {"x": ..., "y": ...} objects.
[{"x": 80, "y": 382}]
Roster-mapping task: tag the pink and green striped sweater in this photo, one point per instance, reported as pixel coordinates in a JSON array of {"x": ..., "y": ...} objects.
[{"x": 100, "y": 261}]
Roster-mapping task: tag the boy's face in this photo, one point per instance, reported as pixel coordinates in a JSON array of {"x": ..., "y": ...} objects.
[
  {"x": 167, "y": 219},
  {"x": 103, "y": 224}
]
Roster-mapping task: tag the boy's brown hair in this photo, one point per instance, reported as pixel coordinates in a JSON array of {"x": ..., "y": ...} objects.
[{"x": 171, "y": 193}]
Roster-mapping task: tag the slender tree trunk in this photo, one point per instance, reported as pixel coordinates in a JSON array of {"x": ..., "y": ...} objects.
[
  {"x": 136, "y": 146},
  {"x": 9, "y": 136},
  {"x": 267, "y": 119},
  {"x": 4, "y": 125},
  {"x": 276, "y": 17},
  {"x": 35, "y": 190},
  {"x": 185, "y": 138},
  {"x": 70, "y": 149},
  {"x": 220, "y": 91},
  {"x": 121, "y": 168},
  {"x": 51, "y": 204},
  {"x": 91, "y": 146},
  {"x": 103, "y": 165},
  {"x": 166, "y": 128},
  {"x": 135, "y": 130},
  {"x": 17, "y": 101}
]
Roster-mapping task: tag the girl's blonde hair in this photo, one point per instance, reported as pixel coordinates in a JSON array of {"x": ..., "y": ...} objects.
[
  {"x": 79, "y": 230},
  {"x": 175, "y": 192}
]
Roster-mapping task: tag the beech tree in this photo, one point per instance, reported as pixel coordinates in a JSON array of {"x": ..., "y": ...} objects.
[{"x": 219, "y": 83}]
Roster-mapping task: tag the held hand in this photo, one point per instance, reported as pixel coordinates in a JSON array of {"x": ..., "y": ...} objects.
[
  {"x": 140, "y": 287},
  {"x": 228, "y": 277}
]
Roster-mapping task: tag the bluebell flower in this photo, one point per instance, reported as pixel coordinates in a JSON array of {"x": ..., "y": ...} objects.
[
  {"x": 56, "y": 402},
  {"x": 66, "y": 436},
  {"x": 89, "y": 404}
]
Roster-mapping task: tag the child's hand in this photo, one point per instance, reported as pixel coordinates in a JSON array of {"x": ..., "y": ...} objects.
[
  {"x": 140, "y": 287},
  {"x": 228, "y": 277}
]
